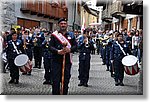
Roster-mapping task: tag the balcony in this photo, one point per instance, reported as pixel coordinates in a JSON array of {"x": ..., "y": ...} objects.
[
  {"x": 106, "y": 16},
  {"x": 44, "y": 9},
  {"x": 25, "y": 7},
  {"x": 34, "y": 8},
  {"x": 117, "y": 9},
  {"x": 40, "y": 9}
]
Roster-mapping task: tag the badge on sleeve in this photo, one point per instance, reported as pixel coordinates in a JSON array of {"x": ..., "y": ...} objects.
[
  {"x": 69, "y": 37},
  {"x": 17, "y": 43},
  {"x": 125, "y": 45}
]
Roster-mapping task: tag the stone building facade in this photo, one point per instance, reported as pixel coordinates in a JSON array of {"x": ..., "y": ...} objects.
[{"x": 7, "y": 15}]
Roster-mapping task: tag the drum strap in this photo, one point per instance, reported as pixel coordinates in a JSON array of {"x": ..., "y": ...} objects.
[
  {"x": 121, "y": 48},
  {"x": 15, "y": 47}
]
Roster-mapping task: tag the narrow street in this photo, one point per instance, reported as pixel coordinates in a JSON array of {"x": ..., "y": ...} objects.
[{"x": 100, "y": 82}]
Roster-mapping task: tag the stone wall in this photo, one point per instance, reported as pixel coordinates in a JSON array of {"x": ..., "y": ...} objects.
[{"x": 7, "y": 15}]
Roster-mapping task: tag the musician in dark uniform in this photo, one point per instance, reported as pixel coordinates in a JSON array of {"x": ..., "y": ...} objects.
[
  {"x": 19, "y": 33},
  {"x": 11, "y": 55},
  {"x": 47, "y": 55},
  {"x": 85, "y": 46},
  {"x": 28, "y": 47},
  {"x": 58, "y": 50},
  {"x": 104, "y": 36},
  {"x": 108, "y": 50},
  {"x": 37, "y": 49},
  {"x": 116, "y": 58}
]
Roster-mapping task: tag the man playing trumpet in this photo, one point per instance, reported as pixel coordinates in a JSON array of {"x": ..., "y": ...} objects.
[{"x": 85, "y": 46}]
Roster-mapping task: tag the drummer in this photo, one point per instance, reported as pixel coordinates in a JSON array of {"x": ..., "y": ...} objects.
[
  {"x": 116, "y": 58},
  {"x": 11, "y": 55}
]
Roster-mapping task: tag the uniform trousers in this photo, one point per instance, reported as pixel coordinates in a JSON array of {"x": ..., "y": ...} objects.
[{"x": 57, "y": 75}]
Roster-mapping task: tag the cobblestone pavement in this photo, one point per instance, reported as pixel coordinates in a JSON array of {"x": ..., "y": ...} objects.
[{"x": 100, "y": 82}]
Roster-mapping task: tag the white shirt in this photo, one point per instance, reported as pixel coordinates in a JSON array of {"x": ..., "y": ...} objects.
[{"x": 135, "y": 41}]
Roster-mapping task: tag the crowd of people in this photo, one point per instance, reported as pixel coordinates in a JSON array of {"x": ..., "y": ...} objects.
[{"x": 56, "y": 48}]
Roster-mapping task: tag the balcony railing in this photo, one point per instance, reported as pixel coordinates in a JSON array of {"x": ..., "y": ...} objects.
[{"x": 106, "y": 12}]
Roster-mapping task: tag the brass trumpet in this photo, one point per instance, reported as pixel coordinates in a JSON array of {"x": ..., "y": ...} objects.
[{"x": 24, "y": 41}]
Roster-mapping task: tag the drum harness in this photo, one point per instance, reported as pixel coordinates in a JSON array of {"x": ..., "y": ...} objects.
[
  {"x": 15, "y": 48},
  {"x": 121, "y": 48}
]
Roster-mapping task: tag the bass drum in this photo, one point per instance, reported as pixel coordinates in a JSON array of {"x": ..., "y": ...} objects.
[{"x": 130, "y": 65}]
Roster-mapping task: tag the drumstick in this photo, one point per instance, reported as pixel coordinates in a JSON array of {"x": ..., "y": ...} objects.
[{"x": 63, "y": 70}]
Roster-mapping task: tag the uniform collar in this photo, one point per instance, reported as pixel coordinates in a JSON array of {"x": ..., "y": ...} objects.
[{"x": 66, "y": 34}]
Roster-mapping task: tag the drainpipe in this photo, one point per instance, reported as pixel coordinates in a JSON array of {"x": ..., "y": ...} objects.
[{"x": 74, "y": 15}]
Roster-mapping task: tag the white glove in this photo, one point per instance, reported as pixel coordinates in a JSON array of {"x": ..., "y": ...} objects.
[{"x": 111, "y": 61}]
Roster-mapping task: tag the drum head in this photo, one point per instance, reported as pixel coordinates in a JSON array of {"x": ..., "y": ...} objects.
[
  {"x": 4, "y": 56},
  {"x": 129, "y": 60},
  {"x": 21, "y": 60}
]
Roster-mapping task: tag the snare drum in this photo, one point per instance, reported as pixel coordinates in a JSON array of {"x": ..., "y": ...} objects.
[
  {"x": 27, "y": 67},
  {"x": 4, "y": 57},
  {"x": 130, "y": 65},
  {"x": 23, "y": 62}
]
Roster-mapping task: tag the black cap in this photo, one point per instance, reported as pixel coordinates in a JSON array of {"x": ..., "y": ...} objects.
[
  {"x": 45, "y": 31},
  {"x": 62, "y": 19},
  {"x": 119, "y": 34},
  {"x": 13, "y": 33}
]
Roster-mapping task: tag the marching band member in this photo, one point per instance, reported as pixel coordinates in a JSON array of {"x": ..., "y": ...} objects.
[
  {"x": 62, "y": 44},
  {"x": 37, "y": 49},
  {"x": 101, "y": 36},
  {"x": 116, "y": 58},
  {"x": 104, "y": 43},
  {"x": 19, "y": 33},
  {"x": 11, "y": 53},
  {"x": 47, "y": 55},
  {"x": 85, "y": 46},
  {"x": 108, "y": 50},
  {"x": 27, "y": 44}
]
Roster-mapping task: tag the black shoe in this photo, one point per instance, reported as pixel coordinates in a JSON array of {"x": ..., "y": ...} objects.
[
  {"x": 116, "y": 83},
  {"x": 11, "y": 81},
  {"x": 29, "y": 74},
  {"x": 46, "y": 82},
  {"x": 103, "y": 64},
  {"x": 16, "y": 81},
  {"x": 24, "y": 73},
  {"x": 107, "y": 69},
  {"x": 80, "y": 84},
  {"x": 112, "y": 75},
  {"x": 35, "y": 67},
  {"x": 85, "y": 84},
  {"x": 121, "y": 84},
  {"x": 51, "y": 83}
]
